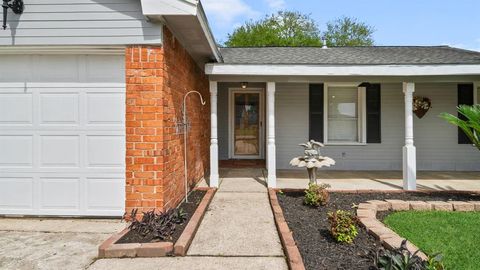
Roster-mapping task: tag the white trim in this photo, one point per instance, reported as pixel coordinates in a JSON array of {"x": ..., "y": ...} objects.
[
  {"x": 62, "y": 85},
  {"x": 345, "y": 144},
  {"x": 168, "y": 7},
  {"x": 214, "y": 176},
  {"x": 103, "y": 50},
  {"x": 164, "y": 8},
  {"x": 341, "y": 70},
  {"x": 271, "y": 147},
  {"x": 361, "y": 112},
  {"x": 231, "y": 124},
  {"x": 409, "y": 150}
]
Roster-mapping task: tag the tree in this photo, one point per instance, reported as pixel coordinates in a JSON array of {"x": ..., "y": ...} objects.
[
  {"x": 285, "y": 28},
  {"x": 347, "y": 31},
  {"x": 471, "y": 124}
]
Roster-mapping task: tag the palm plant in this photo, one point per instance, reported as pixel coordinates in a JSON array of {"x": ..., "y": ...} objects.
[{"x": 471, "y": 124}]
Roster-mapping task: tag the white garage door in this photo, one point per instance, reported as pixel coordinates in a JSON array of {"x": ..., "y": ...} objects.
[{"x": 62, "y": 135}]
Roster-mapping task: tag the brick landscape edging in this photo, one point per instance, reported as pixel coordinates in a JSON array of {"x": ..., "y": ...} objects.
[
  {"x": 367, "y": 214},
  {"x": 109, "y": 248},
  {"x": 294, "y": 259},
  {"x": 183, "y": 243}
]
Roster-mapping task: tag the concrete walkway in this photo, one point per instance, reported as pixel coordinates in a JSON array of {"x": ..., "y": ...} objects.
[
  {"x": 33, "y": 243},
  {"x": 238, "y": 232}
]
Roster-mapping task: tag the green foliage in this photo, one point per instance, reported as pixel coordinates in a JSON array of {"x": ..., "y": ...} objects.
[
  {"x": 347, "y": 31},
  {"x": 471, "y": 126},
  {"x": 455, "y": 234},
  {"x": 435, "y": 262},
  {"x": 285, "y": 28},
  {"x": 316, "y": 195},
  {"x": 398, "y": 259},
  {"x": 343, "y": 226}
]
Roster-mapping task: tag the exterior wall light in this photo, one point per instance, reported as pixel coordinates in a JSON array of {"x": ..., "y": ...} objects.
[
  {"x": 15, "y": 5},
  {"x": 244, "y": 85}
]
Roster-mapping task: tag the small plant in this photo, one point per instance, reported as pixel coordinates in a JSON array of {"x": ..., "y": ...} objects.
[
  {"x": 435, "y": 262},
  {"x": 316, "y": 195},
  {"x": 343, "y": 226},
  {"x": 399, "y": 259},
  {"x": 161, "y": 225}
]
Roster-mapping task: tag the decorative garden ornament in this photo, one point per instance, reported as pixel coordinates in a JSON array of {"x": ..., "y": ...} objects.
[
  {"x": 312, "y": 160},
  {"x": 421, "y": 105}
]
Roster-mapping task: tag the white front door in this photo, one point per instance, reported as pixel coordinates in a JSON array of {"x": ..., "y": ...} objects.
[
  {"x": 62, "y": 135},
  {"x": 246, "y": 124}
]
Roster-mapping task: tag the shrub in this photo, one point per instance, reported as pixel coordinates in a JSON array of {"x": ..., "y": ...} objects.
[
  {"x": 161, "y": 225},
  {"x": 343, "y": 226},
  {"x": 316, "y": 195}
]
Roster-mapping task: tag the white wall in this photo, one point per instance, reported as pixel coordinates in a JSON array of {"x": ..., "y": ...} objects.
[
  {"x": 80, "y": 22},
  {"x": 436, "y": 140}
]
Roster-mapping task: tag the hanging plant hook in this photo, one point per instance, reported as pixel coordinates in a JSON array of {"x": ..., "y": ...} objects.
[{"x": 16, "y": 6}]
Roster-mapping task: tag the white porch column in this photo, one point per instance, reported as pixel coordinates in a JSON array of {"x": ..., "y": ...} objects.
[
  {"x": 213, "y": 135},
  {"x": 409, "y": 151},
  {"x": 271, "y": 155}
]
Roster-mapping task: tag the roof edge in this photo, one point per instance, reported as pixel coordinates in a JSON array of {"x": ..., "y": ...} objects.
[
  {"x": 342, "y": 70},
  {"x": 163, "y": 8}
]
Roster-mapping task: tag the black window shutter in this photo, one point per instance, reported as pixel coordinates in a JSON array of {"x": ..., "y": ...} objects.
[
  {"x": 316, "y": 112},
  {"x": 465, "y": 97},
  {"x": 374, "y": 119}
]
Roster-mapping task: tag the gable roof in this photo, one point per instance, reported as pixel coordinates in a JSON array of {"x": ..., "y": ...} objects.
[{"x": 376, "y": 55}]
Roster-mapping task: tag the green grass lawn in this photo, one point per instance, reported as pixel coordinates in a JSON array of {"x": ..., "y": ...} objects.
[{"x": 454, "y": 234}]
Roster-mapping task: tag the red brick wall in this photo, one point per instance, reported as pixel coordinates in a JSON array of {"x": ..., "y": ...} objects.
[{"x": 157, "y": 79}]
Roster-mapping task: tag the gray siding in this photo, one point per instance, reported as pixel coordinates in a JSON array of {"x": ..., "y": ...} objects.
[
  {"x": 80, "y": 22},
  {"x": 436, "y": 141},
  {"x": 291, "y": 120}
]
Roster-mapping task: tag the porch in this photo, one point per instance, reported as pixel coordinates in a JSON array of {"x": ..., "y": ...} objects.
[
  {"x": 362, "y": 131},
  {"x": 355, "y": 180}
]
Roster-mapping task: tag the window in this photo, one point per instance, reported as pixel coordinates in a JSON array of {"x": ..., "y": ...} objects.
[{"x": 345, "y": 111}]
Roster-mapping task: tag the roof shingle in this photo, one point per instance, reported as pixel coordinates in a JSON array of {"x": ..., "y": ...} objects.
[{"x": 376, "y": 55}]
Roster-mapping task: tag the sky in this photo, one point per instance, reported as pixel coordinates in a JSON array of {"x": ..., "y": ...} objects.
[{"x": 397, "y": 22}]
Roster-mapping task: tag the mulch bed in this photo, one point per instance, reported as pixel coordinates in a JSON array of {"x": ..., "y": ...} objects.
[
  {"x": 310, "y": 227},
  {"x": 194, "y": 199}
]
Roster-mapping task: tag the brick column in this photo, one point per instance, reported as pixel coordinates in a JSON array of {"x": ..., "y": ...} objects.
[
  {"x": 157, "y": 79},
  {"x": 144, "y": 128}
]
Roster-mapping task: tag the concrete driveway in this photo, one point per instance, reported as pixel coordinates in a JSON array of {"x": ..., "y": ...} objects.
[{"x": 28, "y": 243}]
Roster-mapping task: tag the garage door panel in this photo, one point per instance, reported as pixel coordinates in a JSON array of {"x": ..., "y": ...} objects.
[
  {"x": 105, "y": 194},
  {"x": 12, "y": 64},
  {"x": 59, "y": 108},
  {"x": 16, "y": 151},
  {"x": 98, "y": 115},
  {"x": 16, "y": 193},
  {"x": 62, "y": 135},
  {"x": 16, "y": 108},
  {"x": 105, "y": 151},
  {"x": 59, "y": 193},
  {"x": 104, "y": 68},
  {"x": 56, "y": 68},
  {"x": 59, "y": 151}
]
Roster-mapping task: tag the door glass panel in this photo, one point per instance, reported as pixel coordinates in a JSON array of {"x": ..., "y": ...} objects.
[{"x": 247, "y": 124}]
